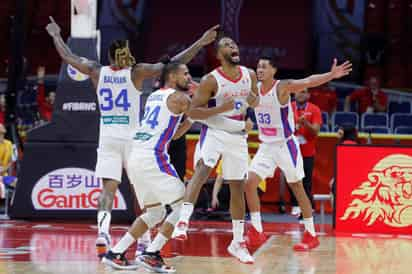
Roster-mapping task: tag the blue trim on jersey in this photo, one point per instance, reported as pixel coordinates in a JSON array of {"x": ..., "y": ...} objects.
[
  {"x": 202, "y": 137},
  {"x": 284, "y": 113},
  {"x": 160, "y": 153},
  {"x": 293, "y": 150}
]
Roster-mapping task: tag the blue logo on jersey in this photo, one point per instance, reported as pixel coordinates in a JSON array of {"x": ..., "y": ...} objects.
[{"x": 121, "y": 101}]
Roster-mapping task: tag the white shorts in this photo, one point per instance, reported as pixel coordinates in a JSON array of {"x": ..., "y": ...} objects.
[
  {"x": 232, "y": 148},
  {"x": 153, "y": 177},
  {"x": 285, "y": 155},
  {"x": 112, "y": 155}
]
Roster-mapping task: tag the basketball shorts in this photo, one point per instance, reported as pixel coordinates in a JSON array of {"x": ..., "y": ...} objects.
[
  {"x": 112, "y": 155},
  {"x": 285, "y": 155},
  {"x": 153, "y": 177},
  {"x": 232, "y": 148}
]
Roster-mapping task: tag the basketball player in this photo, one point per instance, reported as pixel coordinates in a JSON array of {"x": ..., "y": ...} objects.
[
  {"x": 155, "y": 180},
  {"x": 279, "y": 147},
  {"x": 119, "y": 89},
  {"x": 228, "y": 82}
]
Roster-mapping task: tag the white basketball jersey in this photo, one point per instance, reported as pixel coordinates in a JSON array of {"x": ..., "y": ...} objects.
[
  {"x": 119, "y": 103},
  {"x": 159, "y": 124},
  {"x": 238, "y": 89},
  {"x": 275, "y": 121}
]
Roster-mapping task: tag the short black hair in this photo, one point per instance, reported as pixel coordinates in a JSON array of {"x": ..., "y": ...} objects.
[
  {"x": 220, "y": 36},
  {"x": 271, "y": 58},
  {"x": 169, "y": 68},
  {"x": 115, "y": 45},
  {"x": 349, "y": 132}
]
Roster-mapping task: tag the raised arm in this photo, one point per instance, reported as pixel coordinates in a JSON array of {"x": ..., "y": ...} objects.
[
  {"x": 84, "y": 65},
  {"x": 286, "y": 87},
  {"x": 253, "y": 97},
  {"x": 199, "y": 109},
  {"x": 145, "y": 70}
]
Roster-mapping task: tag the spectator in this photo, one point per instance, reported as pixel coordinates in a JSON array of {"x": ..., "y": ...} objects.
[
  {"x": 324, "y": 97},
  {"x": 347, "y": 134},
  {"x": 6, "y": 152},
  {"x": 308, "y": 120},
  {"x": 370, "y": 99},
  {"x": 45, "y": 103}
]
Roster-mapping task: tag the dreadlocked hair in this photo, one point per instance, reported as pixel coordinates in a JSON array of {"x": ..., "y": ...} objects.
[{"x": 120, "y": 53}]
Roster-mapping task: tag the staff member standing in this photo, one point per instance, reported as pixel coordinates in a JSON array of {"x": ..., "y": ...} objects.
[{"x": 308, "y": 121}]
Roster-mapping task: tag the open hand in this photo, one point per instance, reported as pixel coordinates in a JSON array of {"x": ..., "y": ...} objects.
[{"x": 341, "y": 70}]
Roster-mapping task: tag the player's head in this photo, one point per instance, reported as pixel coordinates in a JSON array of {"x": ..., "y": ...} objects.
[
  {"x": 228, "y": 51},
  {"x": 302, "y": 96},
  {"x": 176, "y": 75},
  {"x": 120, "y": 55},
  {"x": 266, "y": 68}
]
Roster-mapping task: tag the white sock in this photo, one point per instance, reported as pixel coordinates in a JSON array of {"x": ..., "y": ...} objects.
[
  {"x": 103, "y": 221},
  {"x": 145, "y": 238},
  {"x": 157, "y": 244},
  {"x": 309, "y": 226},
  {"x": 256, "y": 221},
  {"x": 238, "y": 228},
  {"x": 124, "y": 243},
  {"x": 185, "y": 212}
]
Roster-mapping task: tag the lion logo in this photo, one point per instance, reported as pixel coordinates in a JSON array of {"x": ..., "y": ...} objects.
[{"x": 387, "y": 195}]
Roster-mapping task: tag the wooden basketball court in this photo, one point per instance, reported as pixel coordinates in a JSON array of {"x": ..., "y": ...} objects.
[{"x": 28, "y": 247}]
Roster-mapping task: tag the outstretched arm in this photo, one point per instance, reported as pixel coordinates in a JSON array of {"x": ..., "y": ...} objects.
[
  {"x": 286, "y": 87},
  {"x": 145, "y": 70},
  {"x": 85, "y": 66}
]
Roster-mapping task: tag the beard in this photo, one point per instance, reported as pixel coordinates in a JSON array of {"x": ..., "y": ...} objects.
[
  {"x": 182, "y": 87},
  {"x": 229, "y": 59}
]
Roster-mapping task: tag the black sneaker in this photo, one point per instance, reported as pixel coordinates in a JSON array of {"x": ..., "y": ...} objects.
[
  {"x": 154, "y": 262},
  {"x": 118, "y": 261}
]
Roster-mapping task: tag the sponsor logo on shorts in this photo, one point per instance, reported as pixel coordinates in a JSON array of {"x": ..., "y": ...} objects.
[
  {"x": 210, "y": 161},
  {"x": 143, "y": 136},
  {"x": 70, "y": 189}
]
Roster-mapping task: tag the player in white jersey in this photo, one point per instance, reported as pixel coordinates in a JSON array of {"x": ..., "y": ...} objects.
[
  {"x": 237, "y": 85},
  {"x": 279, "y": 147},
  {"x": 154, "y": 178},
  {"x": 118, "y": 89}
]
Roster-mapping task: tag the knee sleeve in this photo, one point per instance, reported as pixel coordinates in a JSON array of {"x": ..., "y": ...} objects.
[
  {"x": 153, "y": 215},
  {"x": 174, "y": 216}
]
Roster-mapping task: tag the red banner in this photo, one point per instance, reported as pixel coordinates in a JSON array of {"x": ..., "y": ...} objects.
[{"x": 374, "y": 189}]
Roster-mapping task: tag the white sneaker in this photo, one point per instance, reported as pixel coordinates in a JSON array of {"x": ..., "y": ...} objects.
[
  {"x": 141, "y": 247},
  {"x": 180, "y": 231},
  {"x": 102, "y": 244},
  {"x": 295, "y": 211},
  {"x": 240, "y": 251}
]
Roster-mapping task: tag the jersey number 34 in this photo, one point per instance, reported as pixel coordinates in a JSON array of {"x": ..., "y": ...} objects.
[{"x": 121, "y": 101}]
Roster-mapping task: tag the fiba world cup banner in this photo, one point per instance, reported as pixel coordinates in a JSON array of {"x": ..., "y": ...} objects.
[{"x": 373, "y": 189}]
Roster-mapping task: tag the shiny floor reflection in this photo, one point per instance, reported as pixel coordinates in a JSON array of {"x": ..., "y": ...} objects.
[{"x": 27, "y": 247}]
